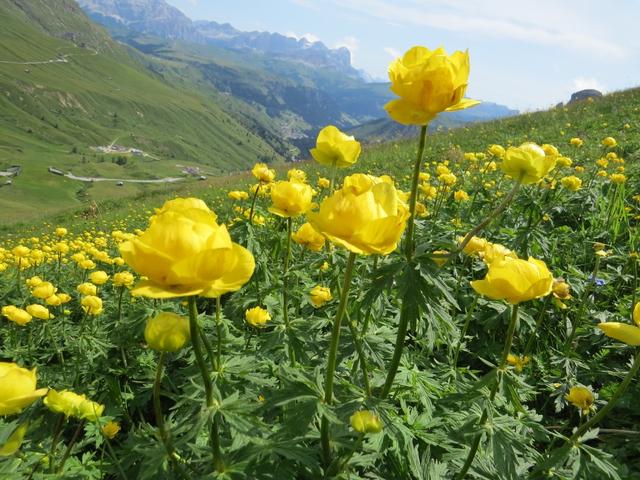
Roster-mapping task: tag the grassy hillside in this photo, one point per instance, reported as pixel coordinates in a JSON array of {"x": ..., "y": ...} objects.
[{"x": 89, "y": 91}]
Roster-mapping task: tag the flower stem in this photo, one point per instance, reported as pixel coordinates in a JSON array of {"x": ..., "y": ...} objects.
[
  {"x": 397, "y": 351},
  {"x": 408, "y": 246},
  {"x": 206, "y": 379},
  {"x": 120, "y": 294},
  {"x": 465, "y": 327},
  {"x": 333, "y": 351},
  {"x": 575, "y": 324},
  {"x": 285, "y": 292},
  {"x": 253, "y": 202},
  {"x": 219, "y": 333},
  {"x": 529, "y": 344},
  {"x": 612, "y": 401},
  {"x": 67, "y": 452},
  {"x": 494, "y": 389}
]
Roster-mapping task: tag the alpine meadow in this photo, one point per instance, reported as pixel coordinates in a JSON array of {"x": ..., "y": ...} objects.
[{"x": 232, "y": 255}]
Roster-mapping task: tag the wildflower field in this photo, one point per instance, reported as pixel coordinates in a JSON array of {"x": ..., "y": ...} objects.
[{"x": 464, "y": 305}]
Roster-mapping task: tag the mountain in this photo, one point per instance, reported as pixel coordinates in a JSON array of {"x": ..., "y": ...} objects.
[
  {"x": 385, "y": 129},
  {"x": 66, "y": 88}
]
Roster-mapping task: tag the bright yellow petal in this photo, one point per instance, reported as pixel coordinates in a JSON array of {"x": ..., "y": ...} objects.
[{"x": 624, "y": 332}]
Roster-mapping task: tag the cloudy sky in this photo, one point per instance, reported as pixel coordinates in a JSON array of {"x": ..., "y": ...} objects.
[{"x": 525, "y": 54}]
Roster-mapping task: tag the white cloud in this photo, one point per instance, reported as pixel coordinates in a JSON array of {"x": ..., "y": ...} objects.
[
  {"x": 544, "y": 22},
  {"x": 350, "y": 43},
  {"x": 392, "y": 52}
]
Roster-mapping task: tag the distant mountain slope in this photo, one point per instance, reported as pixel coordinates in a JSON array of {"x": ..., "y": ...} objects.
[
  {"x": 66, "y": 86},
  {"x": 385, "y": 129}
]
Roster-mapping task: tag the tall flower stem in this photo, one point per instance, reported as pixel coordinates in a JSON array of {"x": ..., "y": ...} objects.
[
  {"x": 575, "y": 324},
  {"x": 333, "y": 352},
  {"x": 494, "y": 389},
  {"x": 465, "y": 327},
  {"x": 409, "y": 244},
  {"x": 120, "y": 294},
  {"x": 206, "y": 380},
  {"x": 285, "y": 291},
  {"x": 219, "y": 334},
  {"x": 612, "y": 401},
  {"x": 543, "y": 307},
  {"x": 397, "y": 351},
  {"x": 67, "y": 452},
  {"x": 253, "y": 202}
]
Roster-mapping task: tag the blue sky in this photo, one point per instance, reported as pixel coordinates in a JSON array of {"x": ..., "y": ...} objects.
[{"x": 525, "y": 54}]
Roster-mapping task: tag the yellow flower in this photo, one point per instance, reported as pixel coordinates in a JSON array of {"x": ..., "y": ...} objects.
[
  {"x": 238, "y": 195},
  {"x": 437, "y": 259},
  {"x": 475, "y": 245},
  {"x": 582, "y": 398},
  {"x": 20, "y": 251},
  {"x": 335, "y": 148},
  {"x": 73, "y": 405},
  {"x": 44, "y": 290},
  {"x": 365, "y": 421},
  {"x": 618, "y": 178},
  {"x": 13, "y": 443},
  {"x": 257, "y": 316},
  {"x": 308, "y": 237},
  {"x": 87, "y": 288},
  {"x": 91, "y": 305},
  {"x": 564, "y": 161},
  {"x": 61, "y": 232},
  {"x": 39, "y": 311},
  {"x": 518, "y": 361},
  {"x": 561, "y": 289},
  {"x": 495, "y": 251},
  {"x": 185, "y": 252},
  {"x": 16, "y": 315},
  {"x": 111, "y": 429},
  {"x": 167, "y": 332},
  {"x": 365, "y": 216},
  {"x": 629, "y": 334},
  {"x": 609, "y": 142},
  {"x": 528, "y": 162},
  {"x": 576, "y": 142},
  {"x": 122, "y": 279},
  {"x": 99, "y": 277},
  {"x": 428, "y": 82},
  {"x": 550, "y": 150},
  {"x": 263, "y": 173},
  {"x": 572, "y": 183},
  {"x": 319, "y": 296},
  {"x": 34, "y": 282},
  {"x": 290, "y": 199},
  {"x": 297, "y": 175},
  {"x": 636, "y": 314},
  {"x": 324, "y": 183},
  {"x": 497, "y": 150},
  {"x": 515, "y": 280},
  {"x": 17, "y": 388},
  {"x": 324, "y": 267},
  {"x": 461, "y": 196}
]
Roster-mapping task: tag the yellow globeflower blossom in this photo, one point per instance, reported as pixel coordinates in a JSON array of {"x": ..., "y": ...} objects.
[
  {"x": 527, "y": 162},
  {"x": 257, "y": 316},
  {"x": 111, "y": 429},
  {"x": 561, "y": 289},
  {"x": 16, "y": 315},
  {"x": 365, "y": 421},
  {"x": 122, "y": 279},
  {"x": 39, "y": 311},
  {"x": 17, "y": 388},
  {"x": 34, "y": 282},
  {"x": 263, "y": 173},
  {"x": 297, "y": 175},
  {"x": 461, "y": 196},
  {"x": 308, "y": 237},
  {"x": 497, "y": 150},
  {"x": 290, "y": 199},
  {"x": 572, "y": 183},
  {"x": 495, "y": 251},
  {"x": 581, "y": 398},
  {"x": 73, "y": 405},
  {"x": 44, "y": 290},
  {"x": 87, "y": 288},
  {"x": 515, "y": 280},
  {"x": 428, "y": 82},
  {"x": 91, "y": 305},
  {"x": 238, "y": 195},
  {"x": 324, "y": 183},
  {"x": 609, "y": 142},
  {"x": 61, "y": 232},
  {"x": 629, "y": 334},
  {"x": 167, "y": 332},
  {"x": 518, "y": 361},
  {"x": 319, "y": 296},
  {"x": 365, "y": 216},
  {"x": 618, "y": 178},
  {"x": 185, "y": 252},
  {"x": 335, "y": 148},
  {"x": 576, "y": 142},
  {"x": 475, "y": 245}
]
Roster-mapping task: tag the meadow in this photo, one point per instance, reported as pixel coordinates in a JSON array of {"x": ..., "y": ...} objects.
[{"x": 462, "y": 305}]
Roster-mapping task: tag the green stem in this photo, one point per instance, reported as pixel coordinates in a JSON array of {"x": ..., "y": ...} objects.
[
  {"x": 543, "y": 307},
  {"x": 583, "y": 305},
  {"x": 362, "y": 360},
  {"x": 494, "y": 389},
  {"x": 333, "y": 351},
  {"x": 120, "y": 294},
  {"x": 67, "y": 452},
  {"x": 54, "y": 441},
  {"x": 612, "y": 401},
  {"x": 253, "y": 202},
  {"x": 397, "y": 351},
  {"x": 219, "y": 333},
  {"x": 465, "y": 327},
  {"x": 112, "y": 454},
  {"x": 285, "y": 292},
  {"x": 408, "y": 246}
]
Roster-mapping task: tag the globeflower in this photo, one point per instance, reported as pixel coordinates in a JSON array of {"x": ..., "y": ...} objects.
[
  {"x": 475, "y": 245},
  {"x": 87, "y": 288},
  {"x": 629, "y": 334},
  {"x": 582, "y": 398},
  {"x": 122, "y": 279},
  {"x": 576, "y": 142},
  {"x": 44, "y": 290},
  {"x": 572, "y": 183},
  {"x": 527, "y": 162},
  {"x": 263, "y": 173},
  {"x": 167, "y": 332},
  {"x": 290, "y": 198},
  {"x": 91, "y": 305},
  {"x": 319, "y": 296},
  {"x": 73, "y": 405},
  {"x": 185, "y": 252},
  {"x": 515, "y": 280},
  {"x": 428, "y": 82},
  {"x": 609, "y": 142},
  {"x": 39, "y": 311},
  {"x": 365, "y": 216},
  {"x": 335, "y": 148},
  {"x": 518, "y": 361},
  {"x": 238, "y": 195},
  {"x": 16, "y": 315},
  {"x": 17, "y": 388},
  {"x": 365, "y": 421},
  {"x": 309, "y": 238},
  {"x": 257, "y": 317}
]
